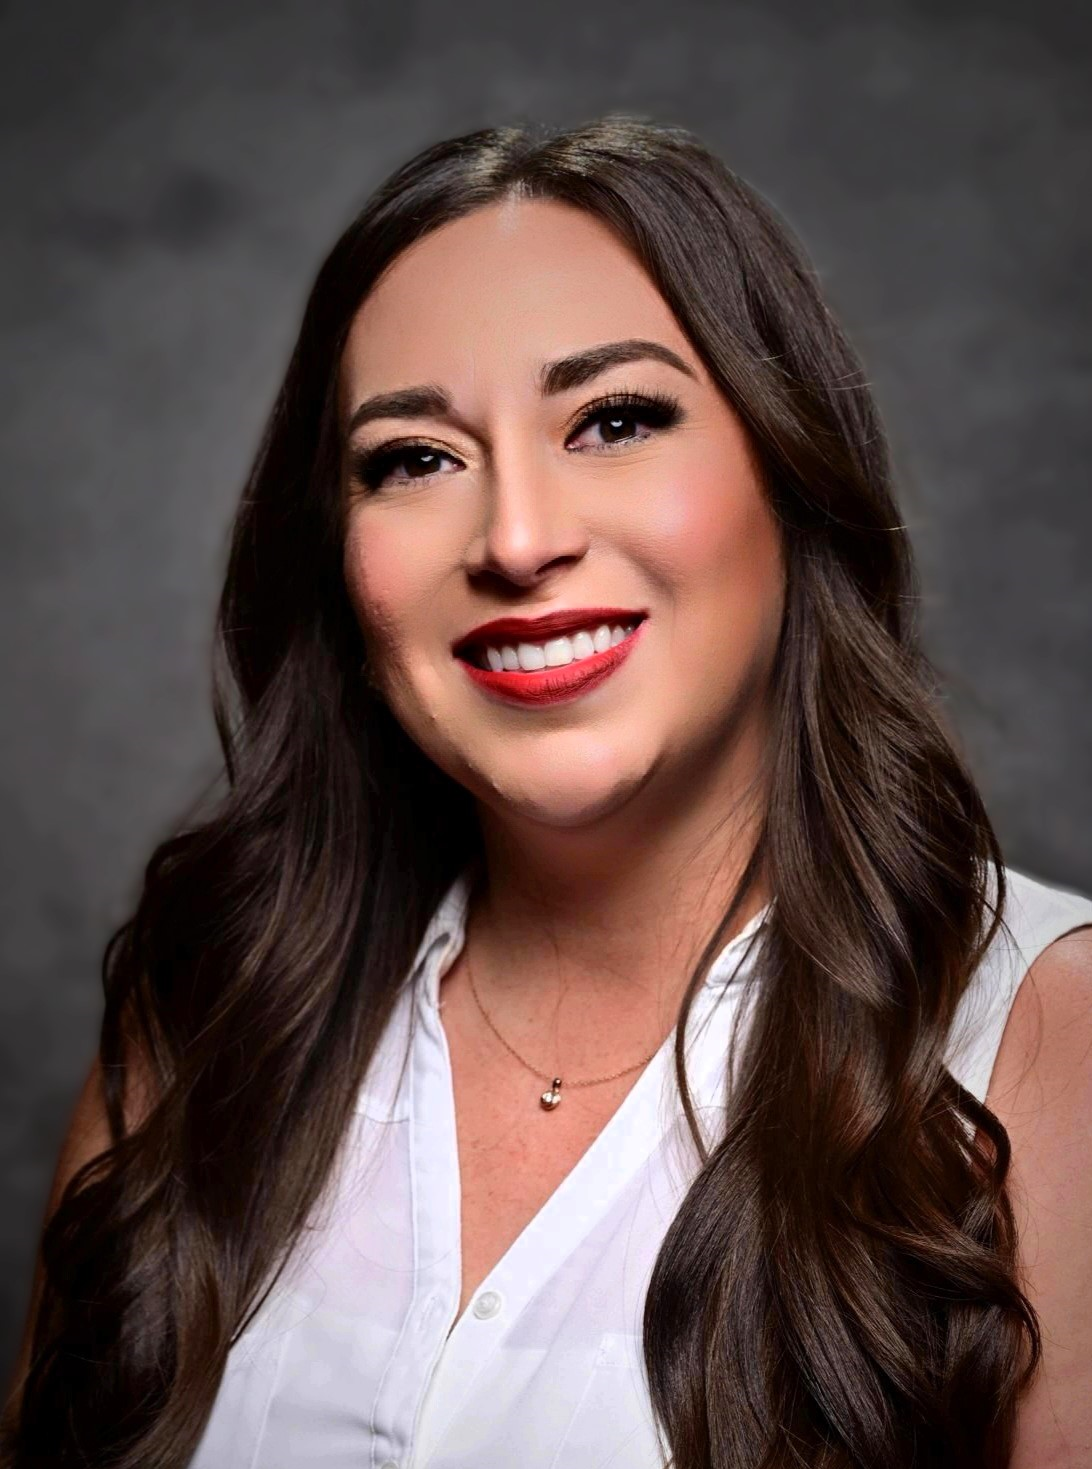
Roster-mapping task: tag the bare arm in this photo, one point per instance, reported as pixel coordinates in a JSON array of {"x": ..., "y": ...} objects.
[{"x": 1042, "y": 1091}]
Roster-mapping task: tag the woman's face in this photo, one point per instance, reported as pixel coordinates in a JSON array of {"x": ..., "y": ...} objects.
[{"x": 520, "y": 498}]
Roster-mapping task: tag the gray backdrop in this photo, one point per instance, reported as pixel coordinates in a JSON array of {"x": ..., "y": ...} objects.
[{"x": 171, "y": 178}]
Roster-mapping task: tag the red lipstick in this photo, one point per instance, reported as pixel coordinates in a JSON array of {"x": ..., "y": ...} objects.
[
  {"x": 551, "y": 624},
  {"x": 554, "y": 685}
]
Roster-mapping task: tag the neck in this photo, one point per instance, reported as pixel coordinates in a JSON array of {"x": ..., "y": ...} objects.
[{"x": 621, "y": 907}]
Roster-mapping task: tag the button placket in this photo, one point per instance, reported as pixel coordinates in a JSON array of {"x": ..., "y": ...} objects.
[
  {"x": 436, "y": 1211},
  {"x": 427, "y": 1314},
  {"x": 488, "y": 1305}
]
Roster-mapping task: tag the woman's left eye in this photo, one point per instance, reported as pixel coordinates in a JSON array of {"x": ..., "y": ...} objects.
[{"x": 617, "y": 417}]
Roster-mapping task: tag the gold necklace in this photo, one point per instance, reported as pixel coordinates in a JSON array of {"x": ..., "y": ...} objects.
[{"x": 551, "y": 1097}]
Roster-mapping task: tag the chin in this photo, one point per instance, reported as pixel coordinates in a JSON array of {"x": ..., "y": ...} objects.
[{"x": 565, "y": 802}]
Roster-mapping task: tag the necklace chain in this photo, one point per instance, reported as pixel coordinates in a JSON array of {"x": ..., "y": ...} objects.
[{"x": 535, "y": 1070}]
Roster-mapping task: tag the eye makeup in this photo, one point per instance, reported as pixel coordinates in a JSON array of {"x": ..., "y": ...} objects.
[{"x": 369, "y": 468}]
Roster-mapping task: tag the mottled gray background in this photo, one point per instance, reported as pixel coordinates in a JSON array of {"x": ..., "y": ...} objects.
[{"x": 171, "y": 178}]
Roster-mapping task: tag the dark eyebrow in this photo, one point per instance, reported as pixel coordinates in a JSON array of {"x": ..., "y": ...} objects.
[
  {"x": 580, "y": 367},
  {"x": 430, "y": 401},
  {"x": 424, "y": 402}
]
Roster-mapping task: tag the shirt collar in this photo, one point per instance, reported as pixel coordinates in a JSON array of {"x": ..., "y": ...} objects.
[
  {"x": 446, "y": 933},
  {"x": 444, "y": 936}
]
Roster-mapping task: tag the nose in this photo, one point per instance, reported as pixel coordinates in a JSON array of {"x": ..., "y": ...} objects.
[{"x": 531, "y": 522}]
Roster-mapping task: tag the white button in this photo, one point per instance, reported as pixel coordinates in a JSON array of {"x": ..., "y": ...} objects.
[
  {"x": 487, "y": 1304},
  {"x": 389, "y": 1464}
]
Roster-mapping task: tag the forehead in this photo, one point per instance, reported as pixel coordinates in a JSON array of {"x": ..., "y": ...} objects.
[{"x": 487, "y": 298}]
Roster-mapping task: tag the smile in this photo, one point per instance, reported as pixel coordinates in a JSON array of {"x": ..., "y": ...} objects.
[
  {"x": 555, "y": 670},
  {"x": 552, "y": 653}
]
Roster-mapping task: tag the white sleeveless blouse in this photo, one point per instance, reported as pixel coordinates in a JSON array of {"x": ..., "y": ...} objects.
[{"x": 349, "y": 1365}]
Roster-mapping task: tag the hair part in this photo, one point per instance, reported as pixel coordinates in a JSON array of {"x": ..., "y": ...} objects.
[{"x": 839, "y": 1287}]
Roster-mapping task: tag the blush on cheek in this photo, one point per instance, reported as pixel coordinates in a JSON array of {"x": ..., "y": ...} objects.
[
  {"x": 717, "y": 508},
  {"x": 702, "y": 520},
  {"x": 393, "y": 593},
  {"x": 376, "y": 590},
  {"x": 375, "y": 572}
]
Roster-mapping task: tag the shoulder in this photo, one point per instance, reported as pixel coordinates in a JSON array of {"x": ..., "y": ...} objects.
[
  {"x": 1041, "y": 1089},
  {"x": 1035, "y": 915},
  {"x": 1043, "y": 1071},
  {"x": 1046, "y": 949}
]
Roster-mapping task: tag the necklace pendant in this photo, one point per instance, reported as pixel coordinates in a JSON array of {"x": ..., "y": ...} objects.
[{"x": 550, "y": 1099}]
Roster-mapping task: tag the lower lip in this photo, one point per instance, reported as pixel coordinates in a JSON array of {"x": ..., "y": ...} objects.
[{"x": 555, "y": 685}]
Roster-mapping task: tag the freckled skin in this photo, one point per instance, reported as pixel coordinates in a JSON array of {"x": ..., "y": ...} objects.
[{"x": 514, "y": 522}]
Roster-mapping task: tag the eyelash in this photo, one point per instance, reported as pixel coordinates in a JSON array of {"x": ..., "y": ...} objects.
[{"x": 659, "y": 411}]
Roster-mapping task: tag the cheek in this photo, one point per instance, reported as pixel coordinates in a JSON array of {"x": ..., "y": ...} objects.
[
  {"x": 714, "y": 544},
  {"x": 692, "y": 522},
  {"x": 706, "y": 530},
  {"x": 384, "y": 584}
]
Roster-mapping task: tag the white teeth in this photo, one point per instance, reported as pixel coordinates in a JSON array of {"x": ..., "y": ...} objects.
[
  {"x": 559, "y": 651},
  {"x": 556, "y": 652},
  {"x": 531, "y": 657}
]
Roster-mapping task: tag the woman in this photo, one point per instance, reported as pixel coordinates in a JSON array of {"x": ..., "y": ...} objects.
[{"x": 596, "y": 966}]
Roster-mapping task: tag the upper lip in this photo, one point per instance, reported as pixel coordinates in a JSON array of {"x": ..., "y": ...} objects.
[{"x": 533, "y": 629}]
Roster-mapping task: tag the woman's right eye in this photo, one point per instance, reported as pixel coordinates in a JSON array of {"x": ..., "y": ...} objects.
[{"x": 371, "y": 467}]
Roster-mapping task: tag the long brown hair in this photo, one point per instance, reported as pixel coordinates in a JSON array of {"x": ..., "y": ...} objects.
[{"x": 839, "y": 1287}]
